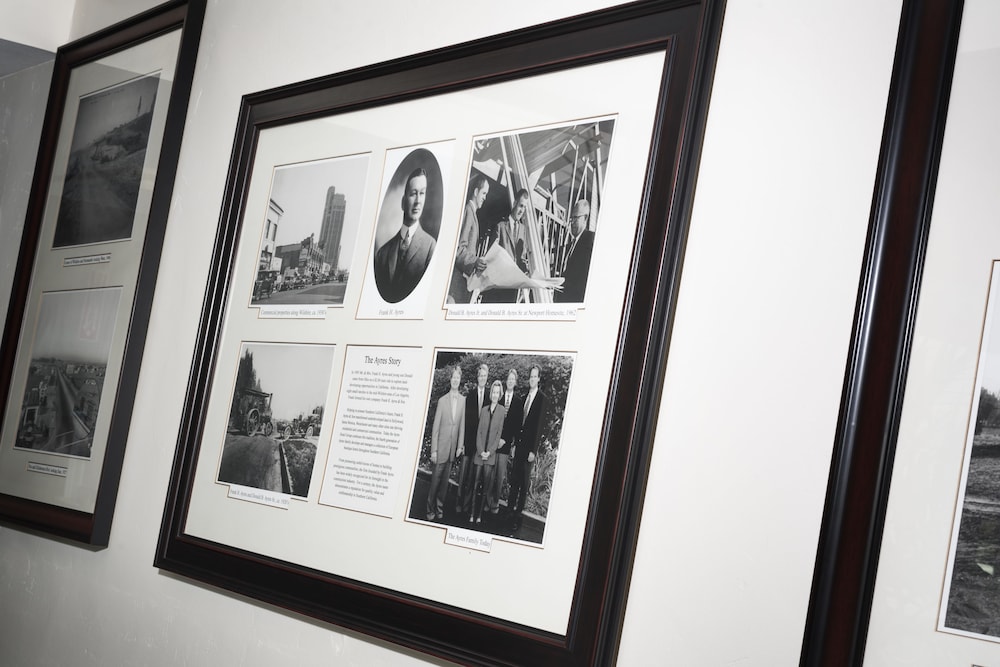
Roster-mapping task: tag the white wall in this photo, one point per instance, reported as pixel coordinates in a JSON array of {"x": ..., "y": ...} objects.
[
  {"x": 22, "y": 110},
  {"x": 743, "y": 448},
  {"x": 92, "y": 15},
  {"x": 756, "y": 365},
  {"x": 43, "y": 24}
]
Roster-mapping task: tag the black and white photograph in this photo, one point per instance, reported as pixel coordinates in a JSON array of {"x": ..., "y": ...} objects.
[
  {"x": 530, "y": 215},
  {"x": 972, "y": 594},
  {"x": 69, "y": 360},
  {"x": 309, "y": 232},
  {"x": 409, "y": 220},
  {"x": 276, "y": 417},
  {"x": 105, "y": 168},
  {"x": 490, "y": 441}
]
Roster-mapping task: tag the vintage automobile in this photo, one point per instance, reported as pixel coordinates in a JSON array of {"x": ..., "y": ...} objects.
[
  {"x": 264, "y": 286},
  {"x": 303, "y": 426},
  {"x": 253, "y": 413}
]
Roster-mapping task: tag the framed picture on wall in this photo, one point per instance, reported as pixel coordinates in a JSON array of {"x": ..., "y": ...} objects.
[
  {"x": 907, "y": 566},
  {"x": 87, "y": 268},
  {"x": 432, "y": 279}
]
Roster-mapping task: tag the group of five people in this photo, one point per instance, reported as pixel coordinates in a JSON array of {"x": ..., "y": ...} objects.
[{"x": 491, "y": 431}]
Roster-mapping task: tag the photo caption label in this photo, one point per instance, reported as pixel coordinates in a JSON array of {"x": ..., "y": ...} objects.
[
  {"x": 47, "y": 469},
  {"x": 469, "y": 539},
  {"x": 259, "y": 496},
  {"x": 86, "y": 260},
  {"x": 533, "y": 312},
  {"x": 292, "y": 312}
]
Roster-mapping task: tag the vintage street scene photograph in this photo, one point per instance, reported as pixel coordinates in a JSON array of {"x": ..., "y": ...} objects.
[
  {"x": 69, "y": 359},
  {"x": 491, "y": 440},
  {"x": 276, "y": 417},
  {"x": 408, "y": 223},
  {"x": 972, "y": 596},
  {"x": 530, "y": 215},
  {"x": 106, "y": 161},
  {"x": 310, "y": 228}
]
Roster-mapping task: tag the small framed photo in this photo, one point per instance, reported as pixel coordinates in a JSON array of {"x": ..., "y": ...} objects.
[
  {"x": 407, "y": 229},
  {"x": 968, "y": 604},
  {"x": 530, "y": 220},
  {"x": 107, "y": 152},
  {"x": 87, "y": 268},
  {"x": 69, "y": 355},
  {"x": 311, "y": 225},
  {"x": 490, "y": 444},
  {"x": 275, "y": 420}
]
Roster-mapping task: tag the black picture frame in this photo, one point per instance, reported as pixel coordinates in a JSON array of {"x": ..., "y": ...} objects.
[
  {"x": 689, "y": 31},
  {"x": 868, "y": 424},
  {"x": 52, "y": 518}
]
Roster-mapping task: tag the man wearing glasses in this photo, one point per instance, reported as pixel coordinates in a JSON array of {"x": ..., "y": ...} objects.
[{"x": 578, "y": 259}]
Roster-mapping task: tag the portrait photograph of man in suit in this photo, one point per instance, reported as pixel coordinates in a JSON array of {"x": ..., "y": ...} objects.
[
  {"x": 507, "y": 409},
  {"x": 408, "y": 223}
]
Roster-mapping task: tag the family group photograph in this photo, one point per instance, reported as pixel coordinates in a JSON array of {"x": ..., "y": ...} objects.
[{"x": 490, "y": 443}]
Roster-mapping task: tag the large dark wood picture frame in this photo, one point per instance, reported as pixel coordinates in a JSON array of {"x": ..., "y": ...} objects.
[
  {"x": 111, "y": 45},
  {"x": 861, "y": 471},
  {"x": 688, "y": 33}
]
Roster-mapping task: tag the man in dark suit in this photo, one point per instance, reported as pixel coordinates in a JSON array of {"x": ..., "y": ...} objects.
[
  {"x": 578, "y": 260},
  {"x": 401, "y": 261},
  {"x": 507, "y": 400},
  {"x": 525, "y": 430},
  {"x": 475, "y": 401},
  {"x": 511, "y": 237}
]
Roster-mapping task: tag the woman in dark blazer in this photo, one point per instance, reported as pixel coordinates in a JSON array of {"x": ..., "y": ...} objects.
[{"x": 487, "y": 441}]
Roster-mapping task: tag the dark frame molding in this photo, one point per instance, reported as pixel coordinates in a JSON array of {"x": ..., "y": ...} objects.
[
  {"x": 187, "y": 15},
  {"x": 690, "y": 31},
  {"x": 861, "y": 471}
]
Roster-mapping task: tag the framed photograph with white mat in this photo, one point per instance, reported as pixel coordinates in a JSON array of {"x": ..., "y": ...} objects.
[
  {"x": 906, "y": 569},
  {"x": 467, "y": 449},
  {"x": 87, "y": 268}
]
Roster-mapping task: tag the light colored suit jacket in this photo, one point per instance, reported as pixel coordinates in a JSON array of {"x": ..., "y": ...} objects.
[
  {"x": 448, "y": 430},
  {"x": 513, "y": 242}
]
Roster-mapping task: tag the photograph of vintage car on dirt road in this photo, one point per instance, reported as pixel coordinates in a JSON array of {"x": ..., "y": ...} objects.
[
  {"x": 491, "y": 441},
  {"x": 309, "y": 232},
  {"x": 69, "y": 358},
  {"x": 106, "y": 162},
  {"x": 276, "y": 417}
]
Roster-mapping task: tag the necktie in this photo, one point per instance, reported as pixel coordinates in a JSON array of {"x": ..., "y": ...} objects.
[
  {"x": 405, "y": 245},
  {"x": 527, "y": 406}
]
